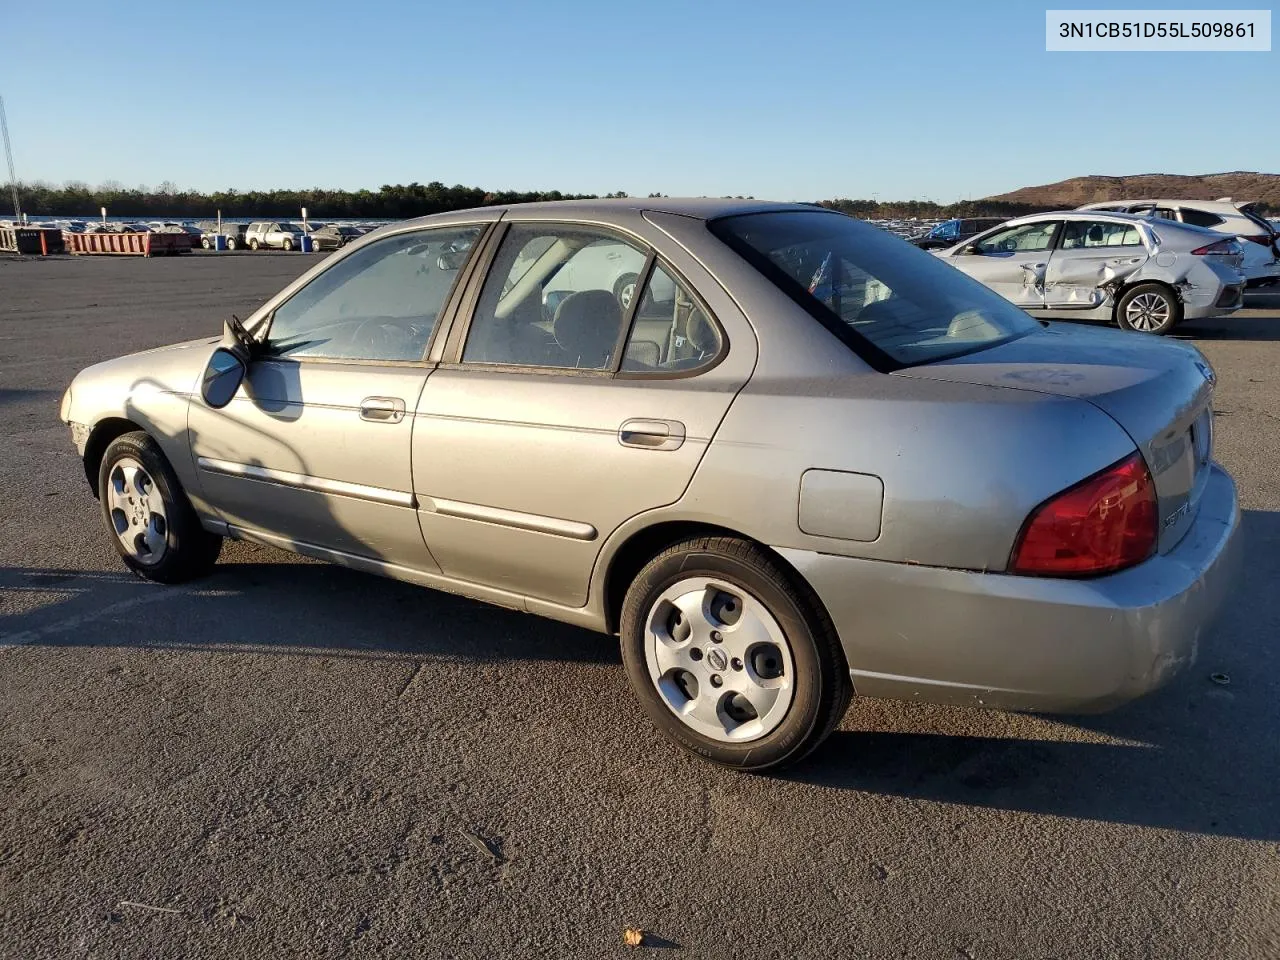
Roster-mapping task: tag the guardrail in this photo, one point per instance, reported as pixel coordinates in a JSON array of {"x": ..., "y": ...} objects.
[{"x": 128, "y": 244}]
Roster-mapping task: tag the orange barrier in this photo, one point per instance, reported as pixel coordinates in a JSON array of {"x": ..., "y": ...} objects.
[{"x": 128, "y": 244}]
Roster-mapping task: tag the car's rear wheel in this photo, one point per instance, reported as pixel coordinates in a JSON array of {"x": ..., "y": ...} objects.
[
  {"x": 1148, "y": 308},
  {"x": 730, "y": 658},
  {"x": 204, "y": 242},
  {"x": 151, "y": 522},
  {"x": 231, "y": 243},
  {"x": 253, "y": 244}
]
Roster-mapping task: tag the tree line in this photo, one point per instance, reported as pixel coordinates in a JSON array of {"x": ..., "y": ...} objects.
[{"x": 390, "y": 201}]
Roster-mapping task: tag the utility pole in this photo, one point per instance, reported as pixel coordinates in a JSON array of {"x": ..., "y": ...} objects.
[{"x": 8, "y": 155}]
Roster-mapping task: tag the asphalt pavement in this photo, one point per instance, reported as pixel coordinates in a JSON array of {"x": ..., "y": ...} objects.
[{"x": 288, "y": 759}]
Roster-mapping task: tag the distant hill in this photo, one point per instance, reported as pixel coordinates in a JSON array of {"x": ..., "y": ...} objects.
[{"x": 1241, "y": 186}]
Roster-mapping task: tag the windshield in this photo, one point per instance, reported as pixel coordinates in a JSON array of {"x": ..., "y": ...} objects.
[
  {"x": 951, "y": 228},
  {"x": 892, "y": 303}
]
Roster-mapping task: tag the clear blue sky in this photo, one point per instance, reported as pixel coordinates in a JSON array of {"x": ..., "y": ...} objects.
[{"x": 786, "y": 100}]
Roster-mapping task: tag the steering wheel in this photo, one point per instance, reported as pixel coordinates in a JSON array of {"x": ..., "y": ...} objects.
[{"x": 381, "y": 338}]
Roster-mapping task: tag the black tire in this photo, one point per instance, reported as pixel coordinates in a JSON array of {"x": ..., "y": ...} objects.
[
  {"x": 822, "y": 686},
  {"x": 204, "y": 242},
  {"x": 288, "y": 244},
  {"x": 1172, "y": 308},
  {"x": 231, "y": 243},
  {"x": 190, "y": 550},
  {"x": 620, "y": 288},
  {"x": 253, "y": 244}
]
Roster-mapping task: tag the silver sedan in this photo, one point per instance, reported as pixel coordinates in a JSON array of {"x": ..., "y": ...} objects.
[
  {"x": 799, "y": 458},
  {"x": 1144, "y": 275}
]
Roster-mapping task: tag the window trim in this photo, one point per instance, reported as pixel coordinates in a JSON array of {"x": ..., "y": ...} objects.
[
  {"x": 451, "y": 358},
  {"x": 447, "y": 308}
]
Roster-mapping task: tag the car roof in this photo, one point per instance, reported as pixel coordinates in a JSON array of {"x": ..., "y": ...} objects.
[
  {"x": 1084, "y": 214},
  {"x": 1211, "y": 206},
  {"x": 701, "y": 208}
]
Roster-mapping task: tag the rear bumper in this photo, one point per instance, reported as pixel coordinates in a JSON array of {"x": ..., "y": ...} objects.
[
  {"x": 1198, "y": 305},
  {"x": 1028, "y": 643}
]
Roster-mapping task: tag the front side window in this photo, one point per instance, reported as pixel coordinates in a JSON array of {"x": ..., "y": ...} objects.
[
  {"x": 893, "y": 303},
  {"x": 1028, "y": 237},
  {"x": 1085, "y": 234},
  {"x": 380, "y": 303},
  {"x": 556, "y": 296}
]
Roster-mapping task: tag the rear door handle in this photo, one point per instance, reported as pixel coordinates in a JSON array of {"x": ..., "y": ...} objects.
[
  {"x": 652, "y": 434},
  {"x": 382, "y": 409}
]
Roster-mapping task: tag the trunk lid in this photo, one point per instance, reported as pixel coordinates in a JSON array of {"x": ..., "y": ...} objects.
[{"x": 1158, "y": 390}]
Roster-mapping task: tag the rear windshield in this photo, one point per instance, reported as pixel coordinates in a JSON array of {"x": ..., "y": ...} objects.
[{"x": 894, "y": 304}]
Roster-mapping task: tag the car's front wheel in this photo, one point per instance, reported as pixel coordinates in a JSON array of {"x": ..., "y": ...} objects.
[
  {"x": 730, "y": 658},
  {"x": 231, "y": 243},
  {"x": 153, "y": 526},
  {"x": 1148, "y": 308},
  {"x": 288, "y": 244}
]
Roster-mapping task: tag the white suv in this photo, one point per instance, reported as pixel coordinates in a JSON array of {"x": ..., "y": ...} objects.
[
  {"x": 271, "y": 234},
  {"x": 1262, "y": 243}
]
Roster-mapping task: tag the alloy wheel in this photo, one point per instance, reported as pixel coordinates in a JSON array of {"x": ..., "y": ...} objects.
[{"x": 1147, "y": 312}]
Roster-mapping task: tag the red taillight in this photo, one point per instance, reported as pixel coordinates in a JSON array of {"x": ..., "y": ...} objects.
[
  {"x": 1100, "y": 525},
  {"x": 1219, "y": 248},
  {"x": 1262, "y": 239}
]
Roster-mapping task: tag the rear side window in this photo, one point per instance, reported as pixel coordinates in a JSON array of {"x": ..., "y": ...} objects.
[
  {"x": 1200, "y": 218},
  {"x": 892, "y": 303},
  {"x": 1084, "y": 234}
]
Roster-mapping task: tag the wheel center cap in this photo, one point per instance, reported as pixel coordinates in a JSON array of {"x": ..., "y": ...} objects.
[{"x": 717, "y": 659}]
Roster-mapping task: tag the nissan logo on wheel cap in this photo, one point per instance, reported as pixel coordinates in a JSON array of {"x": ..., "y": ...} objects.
[{"x": 717, "y": 659}]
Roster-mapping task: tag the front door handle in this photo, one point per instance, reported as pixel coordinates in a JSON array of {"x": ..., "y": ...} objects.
[
  {"x": 652, "y": 434},
  {"x": 382, "y": 409}
]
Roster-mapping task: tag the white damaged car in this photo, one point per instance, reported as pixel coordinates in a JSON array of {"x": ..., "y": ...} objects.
[{"x": 1143, "y": 274}]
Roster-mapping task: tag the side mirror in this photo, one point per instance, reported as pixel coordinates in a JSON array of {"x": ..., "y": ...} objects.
[
  {"x": 222, "y": 378},
  {"x": 971, "y": 249}
]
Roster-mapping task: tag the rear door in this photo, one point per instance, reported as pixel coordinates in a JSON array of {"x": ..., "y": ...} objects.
[
  {"x": 1012, "y": 261},
  {"x": 1089, "y": 257},
  {"x": 567, "y": 404}
]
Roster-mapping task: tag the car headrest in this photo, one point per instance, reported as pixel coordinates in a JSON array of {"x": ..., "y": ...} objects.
[
  {"x": 586, "y": 327},
  {"x": 702, "y": 333},
  {"x": 1095, "y": 234}
]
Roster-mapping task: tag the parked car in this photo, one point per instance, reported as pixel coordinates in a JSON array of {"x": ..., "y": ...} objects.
[
  {"x": 233, "y": 232},
  {"x": 1261, "y": 252},
  {"x": 774, "y": 490},
  {"x": 1142, "y": 274},
  {"x": 333, "y": 236},
  {"x": 950, "y": 232},
  {"x": 272, "y": 234}
]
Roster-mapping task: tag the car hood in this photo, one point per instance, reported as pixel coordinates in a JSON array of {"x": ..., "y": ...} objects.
[
  {"x": 1158, "y": 390},
  {"x": 172, "y": 369}
]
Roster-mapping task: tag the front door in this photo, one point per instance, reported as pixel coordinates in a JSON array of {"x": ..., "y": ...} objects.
[
  {"x": 573, "y": 404},
  {"x": 1012, "y": 261},
  {"x": 1091, "y": 259},
  {"x": 315, "y": 448}
]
